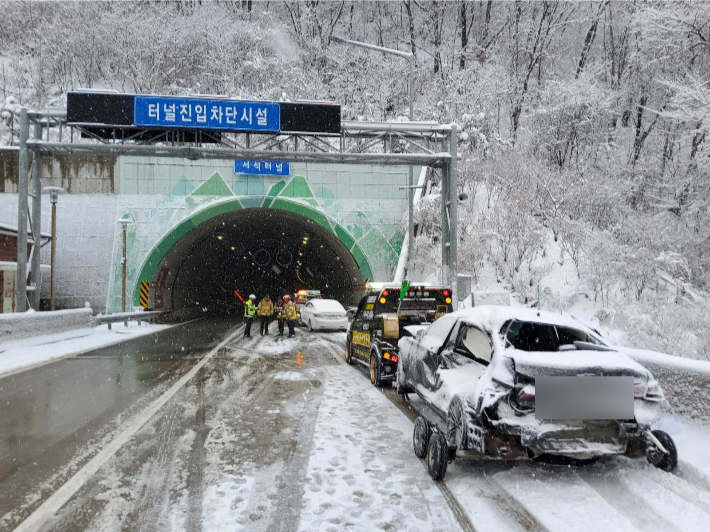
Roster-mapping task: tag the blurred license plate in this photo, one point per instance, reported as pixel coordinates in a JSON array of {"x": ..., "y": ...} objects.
[{"x": 584, "y": 397}]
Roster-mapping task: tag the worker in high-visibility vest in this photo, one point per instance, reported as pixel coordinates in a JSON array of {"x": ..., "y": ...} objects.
[
  {"x": 265, "y": 311},
  {"x": 249, "y": 313},
  {"x": 290, "y": 316},
  {"x": 279, "y": 311}
]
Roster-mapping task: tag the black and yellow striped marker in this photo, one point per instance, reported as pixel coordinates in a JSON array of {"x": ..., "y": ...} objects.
[{"x": 144, "y": 294}]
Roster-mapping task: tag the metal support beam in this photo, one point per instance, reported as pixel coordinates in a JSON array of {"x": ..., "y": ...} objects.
[
  {"x": 190, "y": 152},
  {"x": 36, "y": 220},
  {"x": 22, "y": 204},
  {"x": 454, "y": 216},
  {"x": 444, "y": 224}
]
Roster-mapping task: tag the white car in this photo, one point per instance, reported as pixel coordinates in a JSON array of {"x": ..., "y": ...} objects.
[
  {"x": 510, "y": 383},
  {"x": 322, "y": 314}
]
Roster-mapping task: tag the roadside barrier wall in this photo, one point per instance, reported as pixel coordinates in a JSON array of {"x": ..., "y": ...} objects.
[
  {"x": 34, "y": 328},
  {"x": 686, "y": 382}
]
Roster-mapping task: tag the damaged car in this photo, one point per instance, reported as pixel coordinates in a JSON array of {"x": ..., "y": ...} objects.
[{"x": 513, "y": 383}]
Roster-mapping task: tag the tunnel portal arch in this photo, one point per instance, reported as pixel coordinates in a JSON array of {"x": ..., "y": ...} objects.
[{"x": 226, "y": 225}]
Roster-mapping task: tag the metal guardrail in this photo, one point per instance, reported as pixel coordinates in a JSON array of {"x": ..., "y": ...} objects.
[{"x": 149, "y": 316}]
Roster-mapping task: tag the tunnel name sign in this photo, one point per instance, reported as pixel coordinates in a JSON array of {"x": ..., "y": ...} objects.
[
  {"x": 276, "y": 168},
  {"x": 220, "y": 115}
]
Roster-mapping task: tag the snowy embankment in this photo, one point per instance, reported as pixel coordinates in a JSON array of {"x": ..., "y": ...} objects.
[{"x": 38, "y": 350}]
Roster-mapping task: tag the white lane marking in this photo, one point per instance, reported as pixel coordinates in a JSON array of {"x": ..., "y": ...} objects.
[
  {"x": 333, "y": 352},
  {"x": 60, "y": 497}
]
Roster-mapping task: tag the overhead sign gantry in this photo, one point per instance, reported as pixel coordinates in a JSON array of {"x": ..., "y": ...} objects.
[{"x": 221, "y": 128}]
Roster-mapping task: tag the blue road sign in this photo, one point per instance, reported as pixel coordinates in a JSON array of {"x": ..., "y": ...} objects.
[
  {"x": 262, "y": 167},
  {"x": 198, "y": 113}
]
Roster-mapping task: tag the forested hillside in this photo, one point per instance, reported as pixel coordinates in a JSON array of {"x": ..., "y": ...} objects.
[{"x": 583, "y": 151}]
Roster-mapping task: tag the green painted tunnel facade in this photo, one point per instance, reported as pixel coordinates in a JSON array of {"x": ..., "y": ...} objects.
[{"x": 165, "y": 199}]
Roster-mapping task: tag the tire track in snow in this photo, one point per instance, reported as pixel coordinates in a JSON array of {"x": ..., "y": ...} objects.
[{"x": 459, "y": 513}]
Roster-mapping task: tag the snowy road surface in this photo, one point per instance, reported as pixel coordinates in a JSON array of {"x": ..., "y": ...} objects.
[{"x": 189, "y": 432}]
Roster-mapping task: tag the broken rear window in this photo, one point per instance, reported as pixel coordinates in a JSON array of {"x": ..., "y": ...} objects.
[{"x": 531, "y": 336}]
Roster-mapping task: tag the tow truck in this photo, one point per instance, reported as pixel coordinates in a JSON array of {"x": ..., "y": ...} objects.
[{"x": 380, "y": 321}]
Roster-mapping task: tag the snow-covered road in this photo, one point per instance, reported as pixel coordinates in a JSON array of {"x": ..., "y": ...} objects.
[{"x": 279, "y": 434}]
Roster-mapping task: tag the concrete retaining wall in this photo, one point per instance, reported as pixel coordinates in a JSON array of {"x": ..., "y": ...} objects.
[
  {"x": 686, "y": 382},
  {"x": 45, "y": 327}
]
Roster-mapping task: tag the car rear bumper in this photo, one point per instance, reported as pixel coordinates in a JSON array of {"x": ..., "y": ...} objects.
[
  {"x": 580, "y": 439},
  {"x": 330, "y": 324}
]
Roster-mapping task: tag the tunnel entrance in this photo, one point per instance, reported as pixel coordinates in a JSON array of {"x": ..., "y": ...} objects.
[{"x": 253, "y": 251}]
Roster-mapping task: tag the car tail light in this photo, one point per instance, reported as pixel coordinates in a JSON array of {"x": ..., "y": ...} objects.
[
  {"x": 446, "y": 293},
  {"x": 394, "y": 358},
  {"x": 639, "y": 391},
  {"x": 526, "y": 396},
  {"x": 654, "y": 392},
  {"x": 316, "y": 315},
  {"x": 385, "y": 293}
]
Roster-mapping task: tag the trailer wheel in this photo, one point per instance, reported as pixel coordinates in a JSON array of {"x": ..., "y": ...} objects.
[
  {"x": 666, "y": 462},
  {"x": 420, "y": 437},
  {"x": 437, "y": 456}
]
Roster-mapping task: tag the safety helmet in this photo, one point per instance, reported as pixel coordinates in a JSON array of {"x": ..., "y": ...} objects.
[
  {"x": 287, "y": 298},
  {"x": 252, "y": 296}
]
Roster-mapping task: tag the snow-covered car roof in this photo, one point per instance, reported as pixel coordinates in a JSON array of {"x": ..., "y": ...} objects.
[
  {"x": 327, "y": 305},
  {"x": 493, "y": 317}
]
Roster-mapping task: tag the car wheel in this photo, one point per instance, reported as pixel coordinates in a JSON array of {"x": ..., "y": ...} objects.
[
  {"x": 348, "y": 353},
  {"x": 375, "y": 370},
  {"x": 666, "y": 462},
  {"x": 310, "y": 326},
  {"x": 437, "y": 456},
  {"x": 420, "y": 437},
  {"x": 457, "y": 424}
]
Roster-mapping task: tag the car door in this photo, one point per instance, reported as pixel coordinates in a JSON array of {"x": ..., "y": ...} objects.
[
  {"x": 306, "y": 312},
  {"x": 426, "y": 353},
  {"x": 360, "y": 338},
  {"x": 466, "y": 356}
]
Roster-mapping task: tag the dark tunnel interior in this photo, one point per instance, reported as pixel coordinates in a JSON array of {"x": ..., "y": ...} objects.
[{"x": 255, "y": 251}]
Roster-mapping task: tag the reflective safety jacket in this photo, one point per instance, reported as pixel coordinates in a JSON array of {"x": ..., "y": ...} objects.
[
  {"x": 266, "y": 308},
  {"x": 279, "y": 311},
  {"x": 289, "y": 312},
  {"x": 249, "y": 309}
]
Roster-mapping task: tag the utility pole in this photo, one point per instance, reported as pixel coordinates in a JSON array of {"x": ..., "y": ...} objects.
[
  {"x": 410, "y": 58},
  {"x": 53, "y": 199},
  {"x": 124, "y": 226}
]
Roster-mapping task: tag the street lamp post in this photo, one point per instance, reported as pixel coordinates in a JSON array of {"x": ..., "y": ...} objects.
[
  {"x": 53, "y": 198},
  {"x": 410, "y": 58},
  {"x": 124, "y": 226}
]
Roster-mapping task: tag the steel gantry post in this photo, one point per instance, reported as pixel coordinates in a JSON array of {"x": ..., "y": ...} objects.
[
  {"x": 36, "y": 220},
  {"x": 454, "y": 215},
  {"x": 444, "y": 218},
  {"x": 22, "y": 204}
]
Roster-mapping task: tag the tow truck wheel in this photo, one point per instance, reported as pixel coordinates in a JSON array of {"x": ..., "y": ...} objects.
[
  {"x": 437, "y": 456},
  {"x": 375, "y": 371},
  {"x": 420, "y": 437},
  {"x": 348, "y": 353},
  {"x": 666, "y": 462},
  {"x": 456, "y": 424}
]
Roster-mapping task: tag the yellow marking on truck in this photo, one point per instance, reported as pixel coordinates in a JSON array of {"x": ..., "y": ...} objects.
[{"x": 361, "y": 338}]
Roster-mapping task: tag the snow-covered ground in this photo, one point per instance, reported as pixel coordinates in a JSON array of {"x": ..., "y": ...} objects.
[
  {"x": 21, "y": 356},
  {"x": 280, "y": 434}
]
